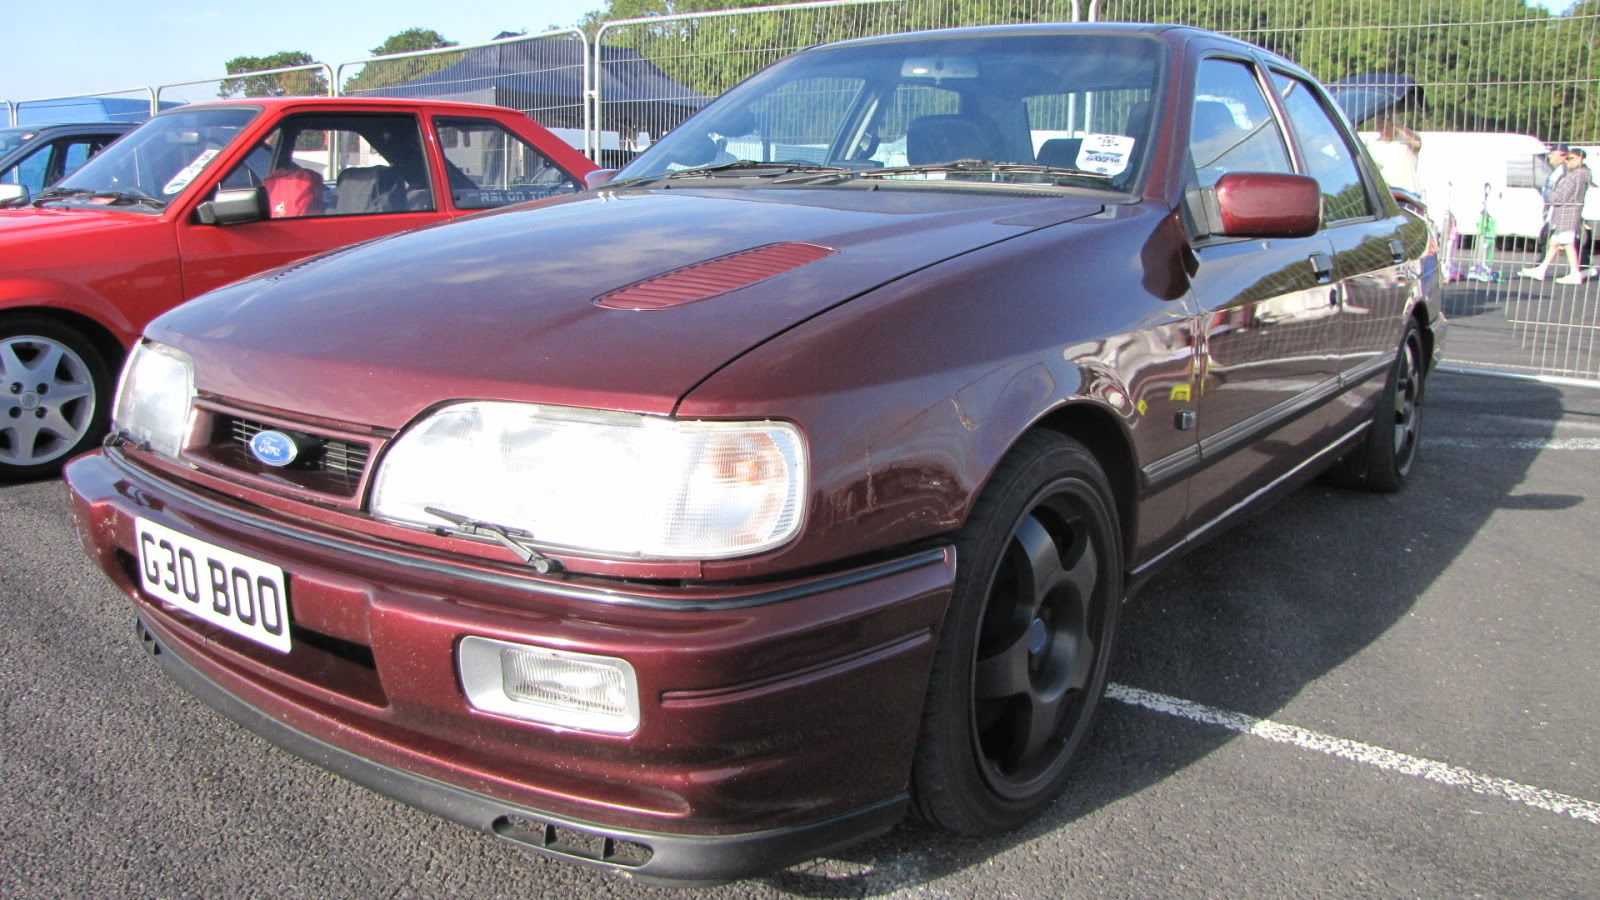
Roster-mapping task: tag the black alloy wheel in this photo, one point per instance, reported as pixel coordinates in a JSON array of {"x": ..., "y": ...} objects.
[
  {"x": 1383, "y": 460},
  {"x": 1022, "y": 658}
]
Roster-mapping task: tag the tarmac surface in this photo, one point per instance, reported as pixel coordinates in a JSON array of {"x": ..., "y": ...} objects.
[{"x": 1350, "y": 695}]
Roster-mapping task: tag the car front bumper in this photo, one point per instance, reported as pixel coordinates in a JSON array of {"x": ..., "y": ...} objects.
[{"x": 777, "y": 721}]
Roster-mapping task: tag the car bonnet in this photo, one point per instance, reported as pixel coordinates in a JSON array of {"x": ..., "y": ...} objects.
[{"x": 504, "y": 306}]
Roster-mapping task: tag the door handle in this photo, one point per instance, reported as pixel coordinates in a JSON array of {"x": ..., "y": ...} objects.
[
  {"x": 1322, "y": 267},
  {"x": 1397, "y": 251}
]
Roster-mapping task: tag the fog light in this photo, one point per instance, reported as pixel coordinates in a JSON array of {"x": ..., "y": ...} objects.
[{"x": 558, "y": 687}]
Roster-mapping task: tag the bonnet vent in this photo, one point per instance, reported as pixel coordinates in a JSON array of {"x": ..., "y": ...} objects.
[{"x": 712, "y": 277}]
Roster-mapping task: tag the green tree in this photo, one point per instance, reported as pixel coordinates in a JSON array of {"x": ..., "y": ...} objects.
[
  {"x": 285, "y": 84},
  {"x": 384, "y": 73}
]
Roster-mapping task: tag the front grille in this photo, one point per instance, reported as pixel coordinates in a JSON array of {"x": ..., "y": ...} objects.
[{"x": 325, "y": 464}]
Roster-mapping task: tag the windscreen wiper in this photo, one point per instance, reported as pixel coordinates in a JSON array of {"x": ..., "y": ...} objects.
[
  {"x": 59, "y": 193},
  {"x": 957, "y": 166},
  {"x": 743, "y": 167},
  {"x": 540, "y": 563},
  {"x": 113, "y": 197}
]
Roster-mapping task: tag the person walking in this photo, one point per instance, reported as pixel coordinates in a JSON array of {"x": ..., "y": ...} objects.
[{"x": 1563, "y": 211}]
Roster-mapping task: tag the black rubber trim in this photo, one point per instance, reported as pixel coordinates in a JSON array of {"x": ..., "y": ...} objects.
[
  {"x": 674, "y": 859},
  {"x": 531, "y": 582}
]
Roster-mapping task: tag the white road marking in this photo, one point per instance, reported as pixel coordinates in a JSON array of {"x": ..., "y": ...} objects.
[
  {"x": 1541, "y": 424},
  {"x": 1539, "y": 798},
  {"x": 1512, "y": 443}
]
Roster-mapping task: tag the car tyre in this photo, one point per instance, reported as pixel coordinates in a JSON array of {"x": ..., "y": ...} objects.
[
  {"x": 1022, "y": 658},
  {"x": 1382, "y": 461},
  {"x": 55, "y": 392}
]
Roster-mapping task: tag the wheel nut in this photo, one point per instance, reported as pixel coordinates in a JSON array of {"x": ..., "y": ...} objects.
[{"x": 38, "y": 413}]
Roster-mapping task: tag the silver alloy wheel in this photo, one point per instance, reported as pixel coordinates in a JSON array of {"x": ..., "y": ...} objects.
[{"x": 47, "y": 400}]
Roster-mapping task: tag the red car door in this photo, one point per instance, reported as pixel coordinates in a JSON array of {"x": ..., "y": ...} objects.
[{"x": 330, "y": 179}]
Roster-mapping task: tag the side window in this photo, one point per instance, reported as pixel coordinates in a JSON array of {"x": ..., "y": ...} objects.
[
  {"x": 488, "y": 166},
  {"x": 1232, "y": 128},
  {"x": 339, "y": 165},
  {"x": 1328, "y": 155},
  {"x": 31, "y": 171},
  {"x": 75, "y": 153}
]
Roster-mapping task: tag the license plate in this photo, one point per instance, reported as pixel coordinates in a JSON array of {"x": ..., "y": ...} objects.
[{"x": 244, "y": 595}]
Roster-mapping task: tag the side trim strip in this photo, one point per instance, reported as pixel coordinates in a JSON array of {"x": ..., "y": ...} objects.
[
  {"x": 1196, "y": 534},
  {"x": 532, "y": 583},
  {"x": 1186, "y": 462},
  {"x": 1367, "y": 369}
]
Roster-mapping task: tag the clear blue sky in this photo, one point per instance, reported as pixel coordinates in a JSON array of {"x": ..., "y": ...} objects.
[
  {"x": 96, "y": 45},
  {"x": 99, "y": 45}
]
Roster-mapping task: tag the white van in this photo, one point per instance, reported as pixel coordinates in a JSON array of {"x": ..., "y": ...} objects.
[{"x": 1468, "y": 172}]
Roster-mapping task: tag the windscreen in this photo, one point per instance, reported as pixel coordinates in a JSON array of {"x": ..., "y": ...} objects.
[
  {"x": 1079, "y": 103},
  {"x": 12, "y": 138},
  {"x": 154, "y": 162}
]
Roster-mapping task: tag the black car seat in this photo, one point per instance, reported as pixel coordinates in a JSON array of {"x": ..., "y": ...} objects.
[
  {"x": 1060, "y": 152},
  {"x": 369, "y": 189},
  {"x": 935, "y": 139}
]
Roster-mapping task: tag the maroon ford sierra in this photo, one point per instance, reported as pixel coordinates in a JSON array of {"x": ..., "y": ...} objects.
[{"x": 794, "y": 478}]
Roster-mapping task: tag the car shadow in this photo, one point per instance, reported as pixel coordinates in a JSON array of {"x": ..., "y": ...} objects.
[{"x": 1245, "y": 623}]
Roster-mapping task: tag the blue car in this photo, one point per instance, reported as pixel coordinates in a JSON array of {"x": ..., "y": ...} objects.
[{"x": 38, "y": 155}]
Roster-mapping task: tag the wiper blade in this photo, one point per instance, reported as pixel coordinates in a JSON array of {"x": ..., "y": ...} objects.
[
  {"x": 742, "y": 167},
  {"x": 58, "y": 193},
  {"x": 969, "y": 166},
  {"x": 540, "y": 563},
  {"x": 111, "y": 197}
]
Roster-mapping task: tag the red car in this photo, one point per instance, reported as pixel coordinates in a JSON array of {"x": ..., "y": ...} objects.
[
  {"x": 714, "y": 519},
  {"x": 207, "y": 194}
]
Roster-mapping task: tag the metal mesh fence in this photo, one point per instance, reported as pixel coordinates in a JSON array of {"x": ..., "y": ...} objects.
[
  {"x": 545, "y": 76},
  {"x": 293, "y": 80},
  {"x": 311, "y": 80}
]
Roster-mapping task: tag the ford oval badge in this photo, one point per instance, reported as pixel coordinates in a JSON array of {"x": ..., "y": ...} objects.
[{"x": 274, "y": 448}]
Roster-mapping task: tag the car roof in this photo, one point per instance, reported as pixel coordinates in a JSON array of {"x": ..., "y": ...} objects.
[
  {"x": 76, "y": 126},
  {"x": 274, "y": 103},
  {"x": 1048, "y": 28}
]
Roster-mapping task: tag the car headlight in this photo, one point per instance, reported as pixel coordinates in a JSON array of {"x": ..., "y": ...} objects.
[
  {"x": 154, "y": 398},
  {"x": 606, "y": 483}
]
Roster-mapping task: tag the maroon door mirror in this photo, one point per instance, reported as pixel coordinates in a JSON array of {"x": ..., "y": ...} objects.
[{"x": 1267, "y": 204}]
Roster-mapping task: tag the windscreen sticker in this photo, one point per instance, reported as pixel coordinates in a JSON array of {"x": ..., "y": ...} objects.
[
  {"x": 188, "y": 173},
  {"x": 1105, "y": 154}
]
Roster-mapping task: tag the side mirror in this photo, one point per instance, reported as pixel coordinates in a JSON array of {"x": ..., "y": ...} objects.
[
  {"x": 1264, "y": 204},
  {"x": 233, "y": 207},
  {"x": 13, "y": 195},
  {"x": 598, "y": 177}
]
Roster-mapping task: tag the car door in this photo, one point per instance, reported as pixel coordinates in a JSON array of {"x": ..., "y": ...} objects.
[
  {"x": 1268, "y": 334},
  {"x": 330, "y": 179},
  {"x": 1372, "y": 240}
]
